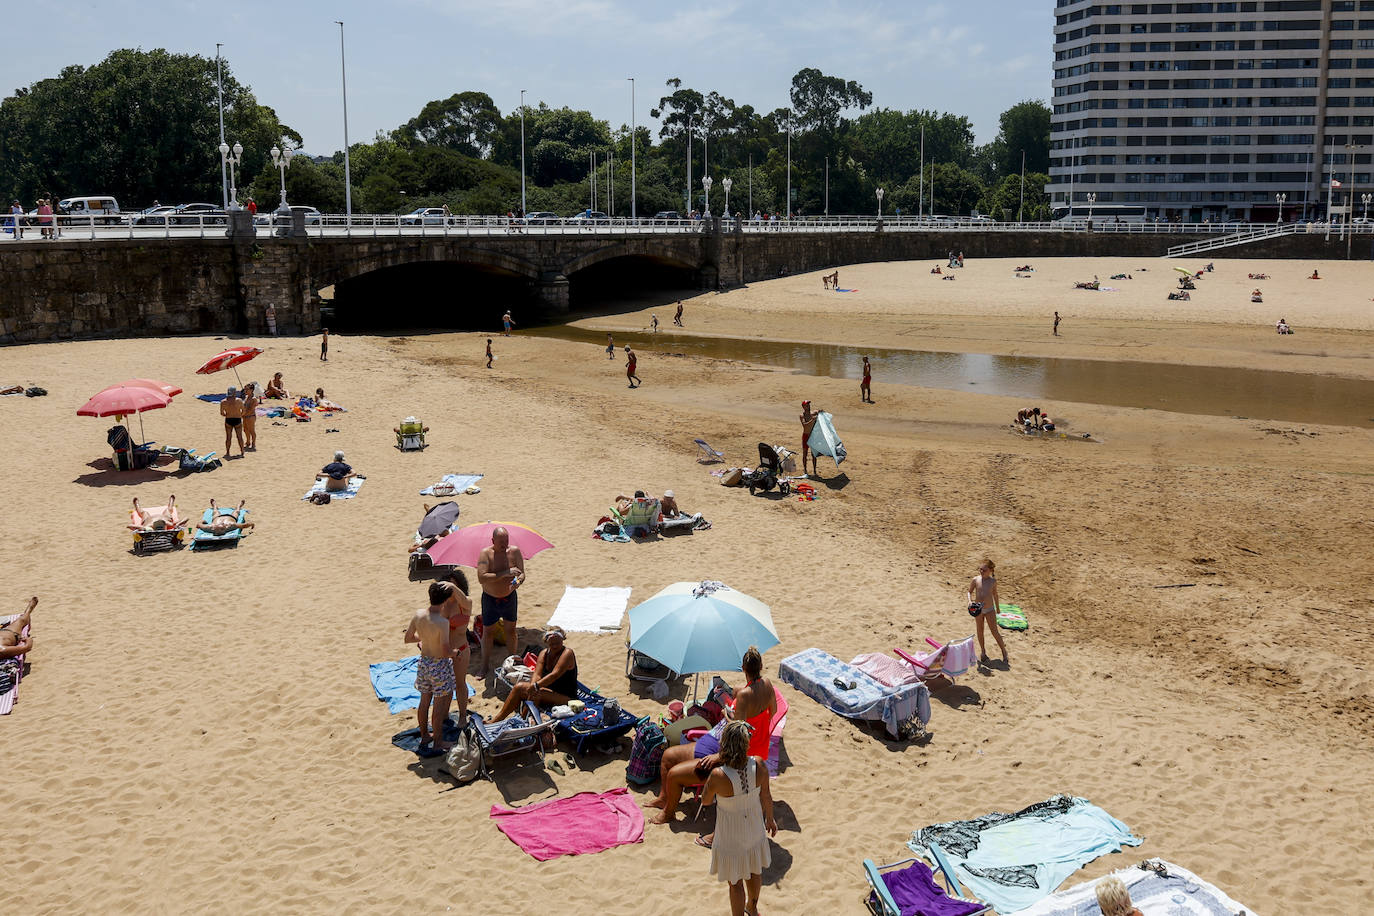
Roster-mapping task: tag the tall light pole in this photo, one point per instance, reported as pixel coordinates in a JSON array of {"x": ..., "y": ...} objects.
[
  {"x": 880, "y": 204},
  {"x": 1350, "y": 195},
  {"x": 219, "y": 92},
  {"x": 706, "y": 186},
  {"x": 523, "y": 209},
  {"x": 726, "y": 183},
  {"x": 1092, "y": 199},
  {"x": 1282, "y": 199},
  {"x": 1021, "y": 210},
  {"x": 1330, "y": 184},
  {"x": 689, "y": 167},
  {"x": 787, "y": 205},
  {"x": 827, "y": 185},
  {"x": 231, "y": 159},
  {"x": 1366, "y": 198},
  {"x": 751, "y": 185},
  {"x": 348, "y": 175},
  {"x": 921, "y": 194},
  {"x": 633, "y": 211}
]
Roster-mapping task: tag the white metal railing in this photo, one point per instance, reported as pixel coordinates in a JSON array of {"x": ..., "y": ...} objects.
[
  {"x": 97, "y": 226},
  {"x": 1235, "y": 238}
]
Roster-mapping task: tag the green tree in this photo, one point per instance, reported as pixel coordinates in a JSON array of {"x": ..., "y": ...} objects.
[
  {"x": 139, "y": 125},
  {"x": 1025, "y": 126},
  {"x": 465, "y": 122}
]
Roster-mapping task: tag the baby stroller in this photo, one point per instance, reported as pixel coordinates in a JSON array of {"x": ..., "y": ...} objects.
[{"x": 768, "y": 474}]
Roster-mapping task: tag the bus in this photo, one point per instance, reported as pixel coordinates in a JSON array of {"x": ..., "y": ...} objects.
[{"x": 1102, "y": 214}]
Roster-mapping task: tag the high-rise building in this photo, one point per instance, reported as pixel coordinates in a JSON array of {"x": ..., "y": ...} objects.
[{"x": 1216, "y": 111}]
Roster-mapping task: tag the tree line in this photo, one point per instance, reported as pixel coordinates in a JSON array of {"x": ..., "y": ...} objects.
[{"x": 143, "y": 125}]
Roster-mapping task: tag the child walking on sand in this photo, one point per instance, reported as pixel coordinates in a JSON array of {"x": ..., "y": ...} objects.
[
  {"x": 983, "y": 605},
  {"x": 434, "y": 675}
]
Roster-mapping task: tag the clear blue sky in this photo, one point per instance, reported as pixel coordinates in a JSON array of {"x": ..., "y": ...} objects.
[{"x": 975, "y": 57}]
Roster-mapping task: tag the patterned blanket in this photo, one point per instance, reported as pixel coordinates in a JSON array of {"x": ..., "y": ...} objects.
[{"x": 814, "y": 673}]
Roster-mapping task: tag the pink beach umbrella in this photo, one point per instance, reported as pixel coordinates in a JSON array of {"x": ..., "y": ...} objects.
[
  {"x": 119, "y": 401},
  {"x": 229, "y": 359},
  {"x": 170, "y": 390},
  {"x": 464, "y": 546}
]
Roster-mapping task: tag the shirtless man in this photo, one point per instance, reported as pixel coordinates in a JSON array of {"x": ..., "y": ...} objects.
[
  {"x": 982, "y": 598},
  {"x": 500, "y": 570},
  {"x": 489, "y": 355},
  {"x": 677, "y": 319},
  {"x": 808, "y": 423},
  {"x": 222, "y": 523},
  {"x": 163, "y": 520},
  {"x": 866, "y": 386},
  {"x": 434, "y": 674},
  {"x": 232, "y": 409},
  {"x": 13, "y": 642},
  {"x": 507, "y": 322}
]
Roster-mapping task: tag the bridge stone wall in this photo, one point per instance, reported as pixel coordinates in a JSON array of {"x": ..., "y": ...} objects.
[{"x": 69, "y": 289}]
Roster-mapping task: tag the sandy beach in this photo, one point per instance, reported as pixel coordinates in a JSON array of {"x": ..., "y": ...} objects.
[{"x": 197, "y": 731}]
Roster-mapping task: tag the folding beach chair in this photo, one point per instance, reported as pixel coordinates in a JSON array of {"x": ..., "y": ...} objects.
[
  {"x": 582, "y": 736},
  {"x": 505, "y": 739},
  {"x": 410, "y": 435},
  {"x": 910, "y": 885},
  {"x": 150, "y": 540},
  {"x": 642, "y": 518},
  {"x": 947, "y": 660},
  {"x": 205, "y": 540},
  {"x": 641, "y": 667},
  {"x": 709, "y": 455}
]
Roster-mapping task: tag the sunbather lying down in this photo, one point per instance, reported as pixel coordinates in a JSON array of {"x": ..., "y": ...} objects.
[
  {"x": 158, "y": 521},
  {"x": 13, "y": 642},
  {"x": 225, "y": 520}
]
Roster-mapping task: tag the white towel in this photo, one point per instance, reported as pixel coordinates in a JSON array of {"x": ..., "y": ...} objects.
[{"x": 590, "y": 610}]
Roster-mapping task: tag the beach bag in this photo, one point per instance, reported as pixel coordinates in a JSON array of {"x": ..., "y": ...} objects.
[
  {"x": 464, "y": 760},
  {"x": 610, "y": 712},
  {"x": 646, "y": 754},
  {"x": 35, "y": 392},
  {"x": 711, "y": 711},
  {"x": 733, "y": 478}
]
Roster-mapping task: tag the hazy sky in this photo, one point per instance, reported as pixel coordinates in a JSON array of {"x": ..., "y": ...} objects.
[{"x": 975, "y": 57}]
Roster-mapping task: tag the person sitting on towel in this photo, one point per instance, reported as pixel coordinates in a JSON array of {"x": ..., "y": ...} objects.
[
  {"x": 555, "y": 677},
  {"x": 221, "y": 524},
  {"x": 276, "y": 388},
  {"x": 1113, "y": 899},
  {"x": 323, "y": 403},
  {"x": 623, "y": 503},
  {"x": 336, "y": 475},
  {"x": 159, "y": 521},
  {"x": 668, "y": 505}
]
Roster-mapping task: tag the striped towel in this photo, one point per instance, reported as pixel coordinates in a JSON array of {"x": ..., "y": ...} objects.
[{"x": 11, "y": 672}]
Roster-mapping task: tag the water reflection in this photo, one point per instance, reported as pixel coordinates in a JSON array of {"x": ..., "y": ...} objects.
[{"x": 1210, "y": 390}]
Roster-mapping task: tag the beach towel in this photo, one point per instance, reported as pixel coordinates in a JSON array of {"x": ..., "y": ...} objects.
[
  {"x": 394, "y": 682},
  {"x": 855, "y": 290},
  {"x": 814, "y": 673},
  {"x": 354, "y": 486},
  {"x": 585, "y": 823},
  {"x": 590, "y": 610},
  {"x": 1011, "y": 861},
  {"x": 1177, "y": 892},
  {"x": 915, "y": 892},
  {"x": 205, "y": 540},
  {"x": 1011, "y": 617},
  {"x": 886, "y": 670},
  {"x": 460, "y": 483},
  {"x": 212, "y": 398},
  {"x": 11, "y": 673},
  {"x": 824, "y": 440}
]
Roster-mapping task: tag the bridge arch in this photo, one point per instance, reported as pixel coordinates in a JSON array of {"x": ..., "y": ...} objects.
[
  {"x": 343, "y": 267},
  {"x": 679, "y": 254}
]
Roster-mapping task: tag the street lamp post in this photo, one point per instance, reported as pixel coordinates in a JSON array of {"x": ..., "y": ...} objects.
[
  {"x": 1092, "y": 199},
  {"x": 282, "y": 160},
  {"x": 879, "y": 192},
  {"x": 1282, "y": 199},
  {"x": 523, "y": 211},
  {"x": 1365, "y": 198},
  {"x": 787, "y": 205},
  {"x": 232, "y": 158},
  {"x": 348, "y": 177},
  {"x": 633, "y": 211},
  {"x": 219, "y": 92},
  {"x": 1350, "y": 194},
  {"x": 706, "y": 186},
  {"x": 725, "y": 183}
]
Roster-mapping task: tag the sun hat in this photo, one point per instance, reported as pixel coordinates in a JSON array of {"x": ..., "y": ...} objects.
[{"x": 669, "y": 494}]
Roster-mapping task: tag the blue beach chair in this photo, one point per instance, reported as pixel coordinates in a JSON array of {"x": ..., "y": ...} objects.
[
  {"x": 909, "y": 886},
  {"x": 206, "y": 540}
]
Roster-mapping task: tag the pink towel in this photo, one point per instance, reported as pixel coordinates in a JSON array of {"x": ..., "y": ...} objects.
[
  {"x": 885, "y": 669},
  {"x": 962, "y": 655},
  {"x": 583, "y": 824}
]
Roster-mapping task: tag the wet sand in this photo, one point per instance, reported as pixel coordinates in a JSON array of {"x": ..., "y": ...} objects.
[{"x": 197, "y": 731}]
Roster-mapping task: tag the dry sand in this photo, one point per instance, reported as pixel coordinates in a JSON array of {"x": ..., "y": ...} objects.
[{"x": 197, "y": 732}]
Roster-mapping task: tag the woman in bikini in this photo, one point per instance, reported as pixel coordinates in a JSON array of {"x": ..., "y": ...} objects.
[
  {"x": 459, "y": 611},
  {"x": 252, "y": 398},
  {"x": 555, "y": 677},
  {"x": 277, "y": 388},
  {"x": 687, "y": 764},
  {"x": 13, "y": 642}
]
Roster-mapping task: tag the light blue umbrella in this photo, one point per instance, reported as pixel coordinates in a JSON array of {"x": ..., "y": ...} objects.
[{"x": 701, "y": 626}]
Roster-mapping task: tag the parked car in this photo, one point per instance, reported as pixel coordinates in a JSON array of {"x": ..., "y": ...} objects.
[
  {"x": 542, "y": 218},
  {"x": 271, "y": 218},
  {"x": 199, "y": 214},
  {"x": 154, "y": 216},
  {"x": 424, "y": 216},
  {"x": 981, "y": 218},
  {"x": 667, "y": 214},
  {"x": 589, "y": 216}
]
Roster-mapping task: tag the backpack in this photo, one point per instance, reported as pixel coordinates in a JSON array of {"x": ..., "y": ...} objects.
[
  {"x": 464, "y": 760},
  {"x": 646, "y": 753}
]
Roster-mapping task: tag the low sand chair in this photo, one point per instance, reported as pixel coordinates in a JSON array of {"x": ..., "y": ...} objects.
[
  {"x": 709, "y": 455},
  {"x": 895, "y": 890}
]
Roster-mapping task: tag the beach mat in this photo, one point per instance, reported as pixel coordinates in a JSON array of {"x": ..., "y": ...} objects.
[
  {"x": 204, "y": 540},
  {"x": 590, "y": 610},
  {"x": 1011, "y": 617},
  {"x": 587, "y": 822},
  {"x": 212, "y": 398},
  {"x": 409, "y": 740},
  {"x": 460, "y": 483},
  {"x": 354, "y": 486}
]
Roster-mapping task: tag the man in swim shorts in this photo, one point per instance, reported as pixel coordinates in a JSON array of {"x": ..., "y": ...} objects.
[
  {"x": 223, "y": 522},
  {"x": 434, "y": 671},
  {"x": 232, "y": 409},
  {"x": 500, "y": 570}
]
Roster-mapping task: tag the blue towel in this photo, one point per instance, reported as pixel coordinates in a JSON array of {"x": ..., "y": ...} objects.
[
  {"x": 212, "y": 398},
  {"x": 203, "y": 540},
  {"x": 409, "y": 740},
  {"x": 460, "y": 482},
  {"x": 1010, "y": 861},
  {"x": 353, "y": 486},
  {"x": 394, "y": 682}
]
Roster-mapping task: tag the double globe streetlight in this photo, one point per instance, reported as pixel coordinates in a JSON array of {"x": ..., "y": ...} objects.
[
  {"x": 726, "y": 183},
  {"x": 232, "y": 157},
  {"x": 1282, "y": 199},
  {"x": 282, "y": 160},
  {"x": 706, "y": 186}
]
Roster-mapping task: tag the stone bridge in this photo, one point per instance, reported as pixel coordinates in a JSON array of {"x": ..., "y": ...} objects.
[{"x": 59, "y": 289}]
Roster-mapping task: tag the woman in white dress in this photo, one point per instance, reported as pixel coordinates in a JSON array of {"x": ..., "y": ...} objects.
[{"x": 744, "y": 819}]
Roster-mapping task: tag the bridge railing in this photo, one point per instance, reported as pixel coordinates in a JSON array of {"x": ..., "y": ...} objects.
[{"x": 96, "y": 226}]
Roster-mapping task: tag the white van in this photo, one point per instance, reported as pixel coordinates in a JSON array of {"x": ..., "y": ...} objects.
[{"x": 81, "y": 207}]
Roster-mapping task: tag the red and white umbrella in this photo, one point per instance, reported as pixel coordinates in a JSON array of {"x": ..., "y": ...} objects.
[
  {"x": 121, "y": 400},
  {"x": 229, "y": 359},
  {"x": 170, "y": 390}
]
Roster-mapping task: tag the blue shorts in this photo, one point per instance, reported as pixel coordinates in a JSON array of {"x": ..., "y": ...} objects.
[{"x": 494, "y": 609}]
